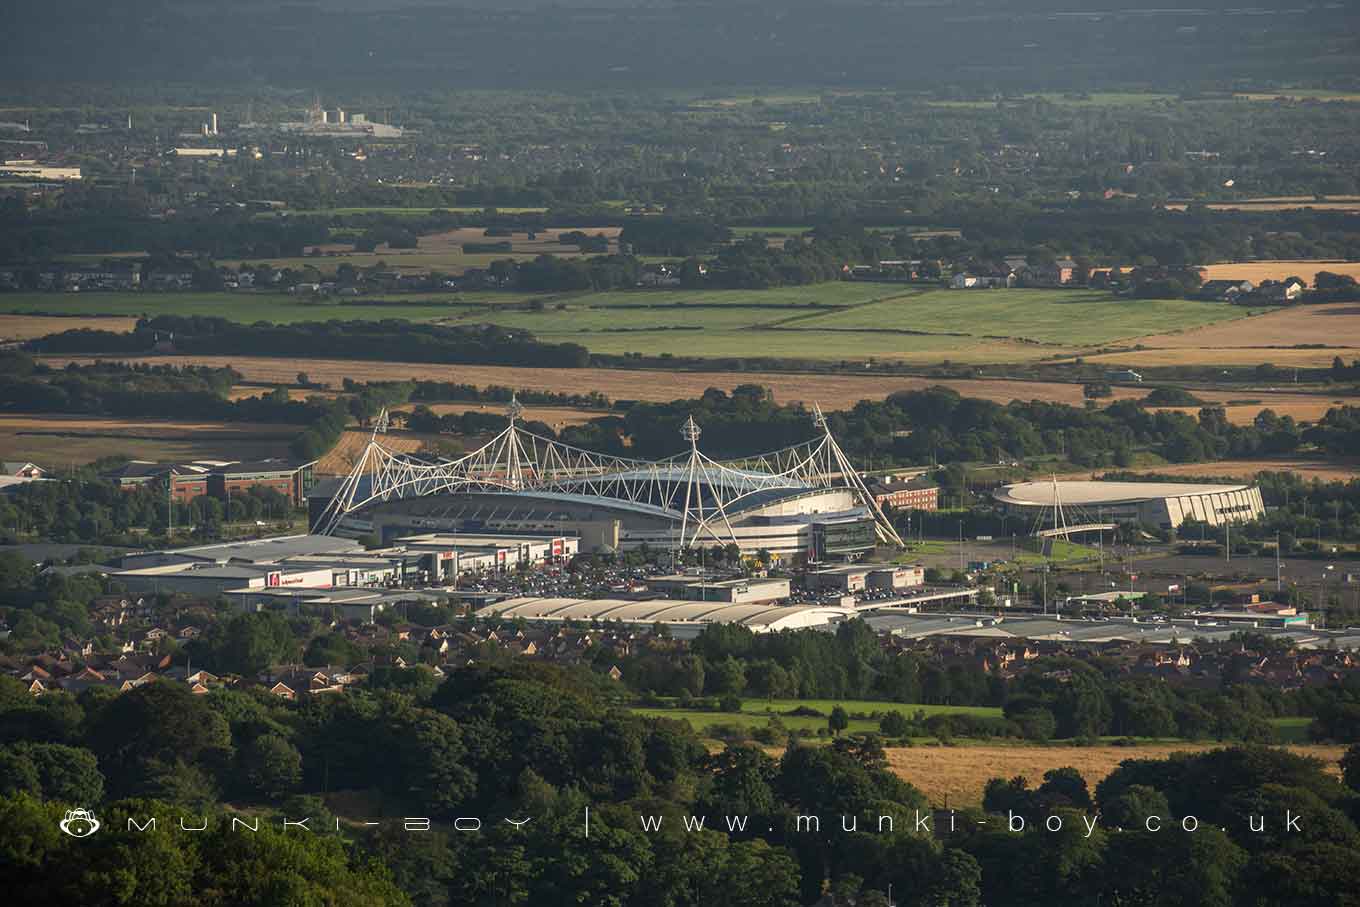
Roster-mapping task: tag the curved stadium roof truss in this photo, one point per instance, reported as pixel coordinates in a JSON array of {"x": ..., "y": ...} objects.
[{"x": 698, "y": 491}]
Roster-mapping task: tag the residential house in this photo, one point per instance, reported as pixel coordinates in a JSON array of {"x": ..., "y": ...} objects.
[
  {"x": 21, "y": 469},
  {"x": 1224, "y": 290}
]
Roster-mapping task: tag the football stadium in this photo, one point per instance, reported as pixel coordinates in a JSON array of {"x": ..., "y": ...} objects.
[{"x": 802, "y": 503}]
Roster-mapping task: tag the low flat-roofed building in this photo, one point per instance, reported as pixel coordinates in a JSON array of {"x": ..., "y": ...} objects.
[
  {"x": 361, "y": 569},
  {"x": 210, "y": 580},
  {"x": 519, "y": 549},
  {"x": 896, "y": 578},
  {"x": 363, "y": 605},
  {"x": 734, "y": 590},
  {"x": 850, "y": 578},
  {"x": 254, "y": 551}
]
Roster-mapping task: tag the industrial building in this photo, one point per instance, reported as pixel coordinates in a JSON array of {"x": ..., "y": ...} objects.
[
  {"x": 682, "y": 619},
  {"x": 254, "y": 572},
  {"x": 1163, "y": 505}
]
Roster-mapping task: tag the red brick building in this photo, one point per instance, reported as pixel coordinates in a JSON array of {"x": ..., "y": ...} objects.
[
  {"x": 292, "y": 480},
  {"x": 221, "y": 480},
  {"x": 912, "y": 494}
]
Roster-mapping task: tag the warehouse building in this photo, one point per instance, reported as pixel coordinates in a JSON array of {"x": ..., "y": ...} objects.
[{"x": 682, "y": 619}]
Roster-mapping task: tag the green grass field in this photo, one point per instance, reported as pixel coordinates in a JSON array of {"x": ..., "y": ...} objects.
[
  {"x": 758, "y": 712},
  {"x": 852, "y": 321},
  {"x": 1066, "y": 317},
  {"x": 1292, "y": 729}
]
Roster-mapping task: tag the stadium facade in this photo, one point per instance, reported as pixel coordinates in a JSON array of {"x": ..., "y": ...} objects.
[
  {"x": 1163, "y": 505},
  {"x": 802, "y": 503}
]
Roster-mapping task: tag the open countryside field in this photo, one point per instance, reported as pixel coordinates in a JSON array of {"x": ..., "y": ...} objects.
[
  {"x": 1335, "y": 324},
  {"x": 56, "y": 441},
  {"x": 759, "y": 712},
  {"x": 1302, "y": 408},
  {"x": 411, "y": 212},
  {"x": 956, "y": 775},
  {"x": 1303, "y": 336},
  {"x": 1059, "y": 317},
  {"x": 341, "y": 458},
  {"x": 440, "y": 251},
  {"x": 1240, "y": 357},
  {"x": 26, "y": 327},
  {"x": 1323, "y": 470},
  {"x": 876, "y": 321},
  {"x": 837, "y": 391},
  {"x": 1279, "y": 268},
  {"x": 557, "y": 417},
  {"x": 1280, "y": 204}
]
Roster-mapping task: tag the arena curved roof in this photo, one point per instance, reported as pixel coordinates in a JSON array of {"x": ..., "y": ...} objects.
[{"x": 1091, "y": 493}]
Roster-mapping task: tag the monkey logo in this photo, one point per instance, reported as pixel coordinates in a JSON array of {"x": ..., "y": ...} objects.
[{"x": 79, "y": 823}]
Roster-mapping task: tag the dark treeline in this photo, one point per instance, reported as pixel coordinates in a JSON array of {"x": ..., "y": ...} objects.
[
  {"x": 531, "y": 740},
  {"x": 115, "y": 389},
  {"x": 89, "y": 510},
  {"x": 387, "y": 339},
  {"x": 1061, "y": 697},
  {"x": 88, "y": 225},
  {"x": 939, "y": 425}
]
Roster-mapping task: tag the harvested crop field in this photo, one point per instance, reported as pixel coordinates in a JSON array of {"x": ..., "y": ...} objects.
[
  {"x": 1332, "y": 204},
  {"x": 1324, "y": 470},
  {"x": 957, "y": 774},
  {"x": 1316, "y": 357},
  {"x": 57, "y": 441},
  {"x": 26, "y": 327},
  {"x": 346, "y": 453},
  {"x": 832, "y": 391},
  {"x": 558, "y": 417},
  {"x": 1298, "y": 407},
  {"x": 1302, "y": 335},
  {"x": 1335, "y": 324},
  {"x": 1278, "y": 269}
]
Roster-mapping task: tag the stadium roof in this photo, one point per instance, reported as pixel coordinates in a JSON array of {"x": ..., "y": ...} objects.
[{"x": 1041, "y": 494}]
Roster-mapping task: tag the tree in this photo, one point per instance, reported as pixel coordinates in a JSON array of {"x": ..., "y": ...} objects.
[
  {"x": 269, "y": 766},
  {"x": 894, "y": 724},
  {"x": 838, "y": 721},
  {"x": 1065, "y": 787},
  {"x": 1350, "y": 767},
  {"x": 155, "y": 733}
]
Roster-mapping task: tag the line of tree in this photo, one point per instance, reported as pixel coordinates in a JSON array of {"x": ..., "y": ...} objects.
[{"x": 386, "y": 339}]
